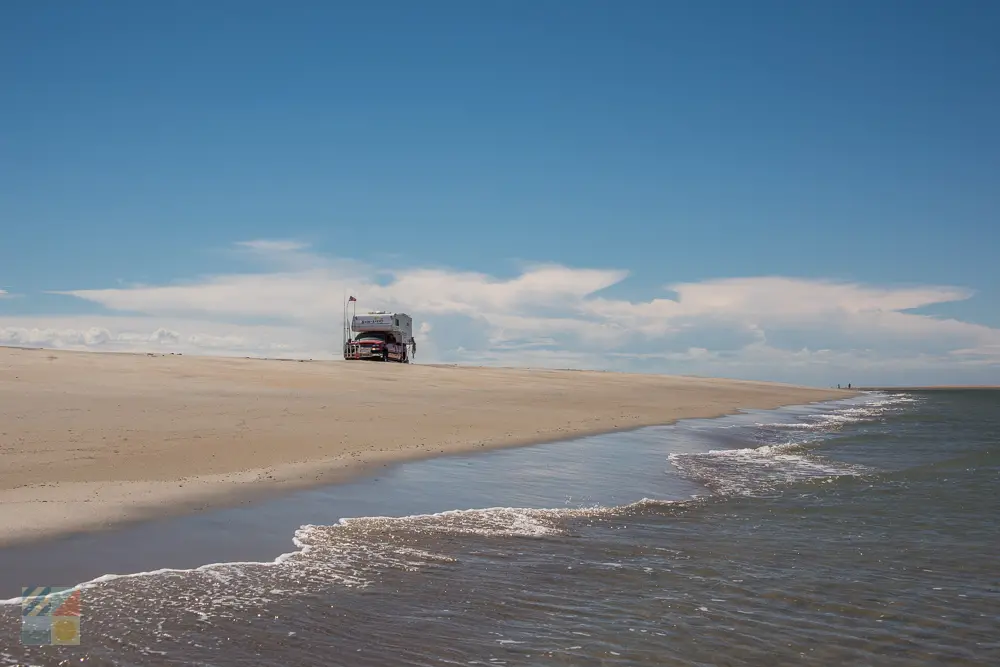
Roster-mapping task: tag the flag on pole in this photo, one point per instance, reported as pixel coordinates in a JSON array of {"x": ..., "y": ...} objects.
[{"x": 351, "y": 299}]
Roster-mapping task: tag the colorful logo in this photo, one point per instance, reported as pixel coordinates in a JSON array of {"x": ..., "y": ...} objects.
[{"x": 50, "y": 615}]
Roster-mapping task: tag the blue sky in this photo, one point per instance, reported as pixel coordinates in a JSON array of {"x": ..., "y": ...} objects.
[{"x": 800, "y": 173}]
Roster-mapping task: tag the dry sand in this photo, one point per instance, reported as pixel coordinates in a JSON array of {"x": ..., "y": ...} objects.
[{"x": 90, "y": 440}]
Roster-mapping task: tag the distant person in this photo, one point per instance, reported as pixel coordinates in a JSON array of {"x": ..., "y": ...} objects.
[
  {"x": 848, "y": 385},
  {"x": 838, "y": 385}
]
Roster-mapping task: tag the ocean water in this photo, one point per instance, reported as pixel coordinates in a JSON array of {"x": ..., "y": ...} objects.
[{"x": 861, "y": 532}]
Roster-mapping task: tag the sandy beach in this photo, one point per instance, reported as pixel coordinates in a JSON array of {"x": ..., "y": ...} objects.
[{"x": 91, "y": 440}]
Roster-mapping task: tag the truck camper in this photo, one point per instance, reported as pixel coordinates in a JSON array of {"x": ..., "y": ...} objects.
[{"x": 380, "y": 336}]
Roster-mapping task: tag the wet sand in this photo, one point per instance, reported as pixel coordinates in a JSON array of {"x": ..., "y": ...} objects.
[{"x": 92, "y": 440}]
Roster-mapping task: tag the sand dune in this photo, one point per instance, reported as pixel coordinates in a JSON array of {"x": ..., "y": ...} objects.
[{"x": 89, "y": 440}]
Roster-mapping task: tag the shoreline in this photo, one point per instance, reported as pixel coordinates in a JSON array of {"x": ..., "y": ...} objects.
[
  {"x": 942, "y": 387},
  {"x": 218, "y": 432},
  {"x": 259, "y": 533}
]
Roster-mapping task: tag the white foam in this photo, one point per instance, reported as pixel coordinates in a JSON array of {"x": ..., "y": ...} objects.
[
  {"x": 837, "y": 415},
  {"x": 207, "y": 568},
  {"x": 344, "y": 551},
  {"x": 754, "y": 469}
]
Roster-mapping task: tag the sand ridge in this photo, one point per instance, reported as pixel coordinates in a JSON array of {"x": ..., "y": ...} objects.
[{"x": 90, "y": 440}]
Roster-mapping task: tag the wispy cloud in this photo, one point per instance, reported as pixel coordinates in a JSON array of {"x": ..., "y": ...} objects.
[
  {"x": 554, "y": 315},
  {"x": 271, "y": 245}
]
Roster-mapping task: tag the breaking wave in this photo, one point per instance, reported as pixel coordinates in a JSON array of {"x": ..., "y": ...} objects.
[
  {"x": 753, "y": 470},
  {"x": 758, "y": 469},
  {"x": 198, "y": 609},
  {"x": 352, "y": 552},
  {"x": 874, "y": 407}
]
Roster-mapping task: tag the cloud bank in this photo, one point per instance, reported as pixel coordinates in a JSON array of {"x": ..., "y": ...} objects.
[{"x": 771, "y": 327}]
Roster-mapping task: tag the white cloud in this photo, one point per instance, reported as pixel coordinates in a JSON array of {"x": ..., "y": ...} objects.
[
  {"x": 983, "y": 354},
  {"x": 554, "y": 316},
  {"x": 269, "y": 245},
  {"x": 147, "y": 334}
]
